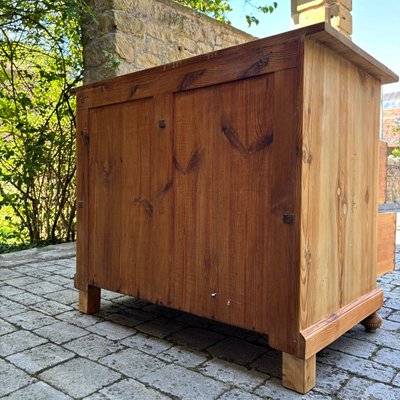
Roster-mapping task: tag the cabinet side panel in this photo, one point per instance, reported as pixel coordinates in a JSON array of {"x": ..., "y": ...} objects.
[{"x": 339, "y": 183}]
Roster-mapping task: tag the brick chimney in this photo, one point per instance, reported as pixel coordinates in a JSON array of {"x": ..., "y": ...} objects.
[{"x": 335, "y": 12}]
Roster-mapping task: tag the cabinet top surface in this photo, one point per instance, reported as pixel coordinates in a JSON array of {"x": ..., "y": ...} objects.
[{"x": 321, "y": 32}]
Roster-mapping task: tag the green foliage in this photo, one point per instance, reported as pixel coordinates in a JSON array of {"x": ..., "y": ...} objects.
[
  {"x": 218, "y": 9},
  {"x": 40, "y": 61},
  {"x": 396, "y": 152}
]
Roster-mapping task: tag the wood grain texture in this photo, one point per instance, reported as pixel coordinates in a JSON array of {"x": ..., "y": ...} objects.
[
  {"x": 298, "y": 374},
  {"x": 82, "y": 277},
  {"x": 344, "y": 47},
  {"x": 239, "y": 186},
  {"x": 324, "y": 332},
  {"x": 386, "y": 243},
  {"x": 89, "y": 300},
  {"x": 131, "y": 177},
  {"x": 382, "y": 172},
  {"x": 339, "y": 183},
  {"x": 208, "y": 70},
  {"x": 222, "y": 178}
]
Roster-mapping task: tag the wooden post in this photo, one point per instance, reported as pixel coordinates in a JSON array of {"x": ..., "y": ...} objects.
[
  {"x": 298, "y": 374},
  {"x": 89, "y": 300},
  {"x": 335, "y": 12}
]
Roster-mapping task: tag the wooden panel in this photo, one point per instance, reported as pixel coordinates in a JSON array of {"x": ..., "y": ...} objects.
[
  {"x": 339, "y": 183},
  {"x": 323, "y": 333},
  {"x": 82, "y": 206},
  {"x": 284, "y": 272},
  {"x": 130, "y": 214},
  {"x": 343, "y": 46},
  {"x": 386, "y": 242},
  {"x": 252, "y": 60},
  {"x": 222, "y": 160},
  {"x": 382, "y": 172}
]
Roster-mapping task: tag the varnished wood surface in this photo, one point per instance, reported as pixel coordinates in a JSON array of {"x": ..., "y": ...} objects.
[
  {"x": 240, "y": 186},
  {"x": 297, "y": 373},
  {"x": 343, "y": 46},
  {"x": 386, "y": 243},
  {"x": 267, "y": 57},
  {"x": 82, "y": 276},
  {"x": 324, "y": 332},
  {"x": 339, "y": 183},
  {"x": 131, "y": 198},
  {"x": 382, "y": 172}
]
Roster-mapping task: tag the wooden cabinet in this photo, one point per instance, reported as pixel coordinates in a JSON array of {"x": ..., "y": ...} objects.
[{"x": 241, "y": 186}]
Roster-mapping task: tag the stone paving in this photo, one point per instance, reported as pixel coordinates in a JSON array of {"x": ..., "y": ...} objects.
[{"x": 135, "y": 350}]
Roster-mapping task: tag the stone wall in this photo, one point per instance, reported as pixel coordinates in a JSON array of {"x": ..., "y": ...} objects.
[
  {"x": 139, "y": 34},
  {"x": 393, "y": 180}
]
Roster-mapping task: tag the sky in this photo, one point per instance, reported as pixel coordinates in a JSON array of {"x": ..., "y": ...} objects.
[{"x": 376, "y": 28}]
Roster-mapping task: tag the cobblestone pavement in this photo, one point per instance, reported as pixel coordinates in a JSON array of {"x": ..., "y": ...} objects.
[{"x": 135, "y": 350}]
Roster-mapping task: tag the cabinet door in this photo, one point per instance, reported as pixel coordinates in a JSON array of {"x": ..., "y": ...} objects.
[
  {"x": 130, "y": 199},
  {"x": 222, "y": 177}
]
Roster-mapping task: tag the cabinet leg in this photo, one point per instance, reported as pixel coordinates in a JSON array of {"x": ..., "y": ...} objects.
[
  {"x": 372, "y": 322},
  {"x": 298, "y": 374},
  {"x": 89, "y": 300}
]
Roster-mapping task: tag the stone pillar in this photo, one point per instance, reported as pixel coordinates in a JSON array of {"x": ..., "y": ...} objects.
[{"x": 335, "y": 12}]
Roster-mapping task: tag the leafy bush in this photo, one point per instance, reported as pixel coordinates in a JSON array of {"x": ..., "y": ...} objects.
[{"x": 40, "y": 61}]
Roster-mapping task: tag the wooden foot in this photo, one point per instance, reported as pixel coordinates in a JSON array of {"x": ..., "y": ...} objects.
[
  {"x": 298, "y": 374},
  {"x": 372, "y": 322},
  {"x": 89, "y": 300}
]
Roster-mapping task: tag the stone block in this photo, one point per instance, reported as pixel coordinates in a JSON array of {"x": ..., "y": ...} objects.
[
  {"x": 93, "y": 346},
  {"x": 38, "y": 391},
  {"x": 237, "y": 394},
  {"x": 233, "y": 374},
  {"x": 40, "y": 357},
  {"x": 60, "y": 332},
  {"x": 31, "y": 320},
  {"x": 388, "y": 357},
  {"x": 358, "y": 366},
  {"x": 51, "y": 307},
  {"x": 43, "y": 287},
  {"x": 184, "y": 384},
  {"x": 64, "y": 296},
  {"x": 355, "y": 347},
  {"x": 132, "y": 363},
  {"x": 124, "y": 5},
  {"x": 147, "y": 344},
  {"x": 144, "y": 7},
  {"x": 79, "y": 377},
  {"x": 128, "y": 389},
  {"x": 6, "y": 327},
  {"x": 360, "y": 389},
  {"x": 237, "y": 350},
  {"x": 160, "y": 327},
  {"x": 110, "y": 330},
  {"x": 124, "y": 46},
  {"x": 183, "y": 356},
  {"x": 107, "y": 23},
  {"x": 128, "y": 24},
  {"x": 17, "y": 341},
  {"x": 196, "y": 338},
  {"x": 12, "y": 378}
]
